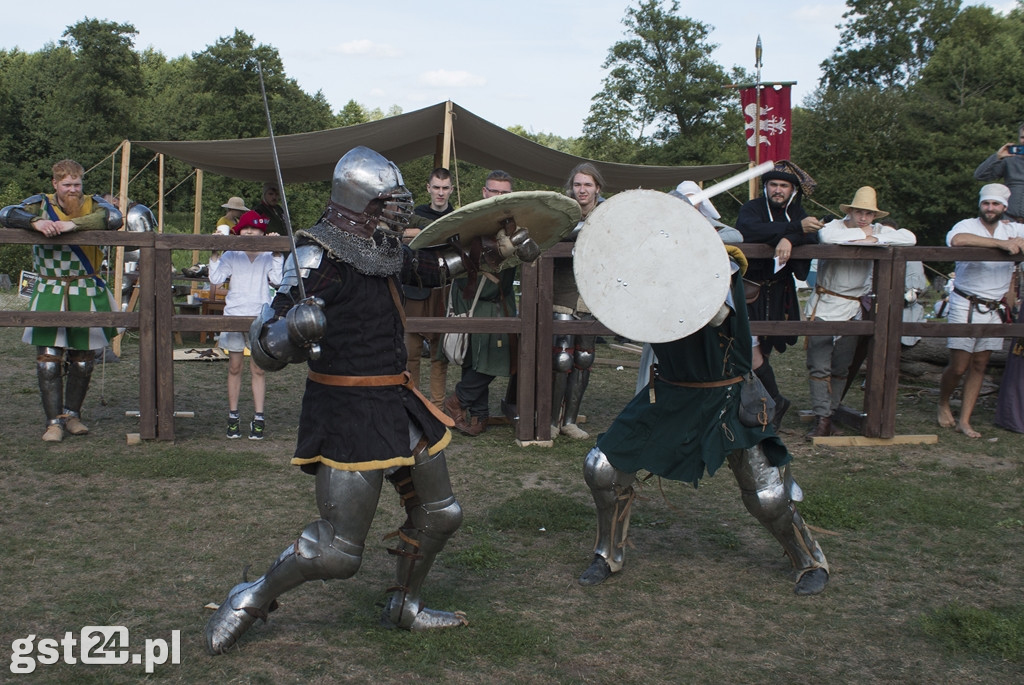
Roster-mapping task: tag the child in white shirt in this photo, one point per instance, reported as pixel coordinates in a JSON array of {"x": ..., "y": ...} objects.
[{"x": 251, "y": 274}]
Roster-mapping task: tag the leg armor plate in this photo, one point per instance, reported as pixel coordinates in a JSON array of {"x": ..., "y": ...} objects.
[
  {"x": 432, "y": 516},
  {"x": 576, "y": 384},
  {"x": 766, "y": 498},
  {"x": 561, "y": 365},
  {"x": 330, "y": 547},
  {"x": 80, "y": 366},
  {"x": 49, "y": 361},
  {"x": 613, "y": 494}
]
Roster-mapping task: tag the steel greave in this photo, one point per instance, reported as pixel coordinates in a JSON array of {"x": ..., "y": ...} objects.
[{"x": 613, "y": 494}]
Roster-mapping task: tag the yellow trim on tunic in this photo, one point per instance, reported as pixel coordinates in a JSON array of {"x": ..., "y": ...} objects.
[{"x": 376, "y": 464}]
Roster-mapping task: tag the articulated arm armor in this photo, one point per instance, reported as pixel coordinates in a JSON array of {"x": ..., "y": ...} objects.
[
  {"x": 289, "y": 340},
  {"x": 16, "y": 216},
  {"x": 105, "y": 217}
]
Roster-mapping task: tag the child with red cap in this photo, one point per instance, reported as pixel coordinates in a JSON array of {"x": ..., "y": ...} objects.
[{"x": 251, "y": 274}]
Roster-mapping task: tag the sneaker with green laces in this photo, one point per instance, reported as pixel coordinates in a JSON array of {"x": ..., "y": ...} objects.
[
  {"x": 233, "y": 428},
  {"x": 256, "y": 429}
]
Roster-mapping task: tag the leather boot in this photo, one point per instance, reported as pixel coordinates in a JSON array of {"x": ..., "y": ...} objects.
[
  {"x": 453, "y": 408},
  {"x": 472, "y": 425},
  {"x": 823, "y": 428}
]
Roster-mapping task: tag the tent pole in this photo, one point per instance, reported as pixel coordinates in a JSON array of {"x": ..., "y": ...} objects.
[
  {"x": 126, "y": 149},
  {"x": 198, "y": 217},
  {"x": 160, "y": 202},
  {"x": 446, "y": 146}
]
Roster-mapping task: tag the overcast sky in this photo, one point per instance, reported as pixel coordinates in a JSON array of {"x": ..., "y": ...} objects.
[{"x": 535, "y": 63}]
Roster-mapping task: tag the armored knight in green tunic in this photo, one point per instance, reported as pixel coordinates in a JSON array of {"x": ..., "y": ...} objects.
[
  {"x": 687, "y": 422},
  {"x": 68, "y": 281}
]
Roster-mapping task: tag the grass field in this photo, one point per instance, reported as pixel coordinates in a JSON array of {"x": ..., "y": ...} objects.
[{"x": 926, "y": 545}]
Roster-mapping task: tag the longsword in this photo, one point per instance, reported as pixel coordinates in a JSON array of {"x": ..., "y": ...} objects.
[{"x": 280, "y": 182}]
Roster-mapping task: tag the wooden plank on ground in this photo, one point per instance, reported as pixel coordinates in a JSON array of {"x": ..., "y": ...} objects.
[{"x": 861, "y": 441}]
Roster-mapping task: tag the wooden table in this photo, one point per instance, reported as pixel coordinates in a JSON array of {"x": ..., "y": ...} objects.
[{"x": 209, "y": 306}]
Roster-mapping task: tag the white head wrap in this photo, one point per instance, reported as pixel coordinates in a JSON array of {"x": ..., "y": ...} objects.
[{"x": 689, "y": 188}]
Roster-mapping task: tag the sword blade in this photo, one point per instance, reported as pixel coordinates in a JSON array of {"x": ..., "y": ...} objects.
[
  {"x": 730, "y": 182},
  {"x": 280, "y": 181}
]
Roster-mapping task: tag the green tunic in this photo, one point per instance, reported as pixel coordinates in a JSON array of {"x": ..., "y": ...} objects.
[
  {"x": 69, "y": 281},
  {"x": 491, "y": 352},
  {"x": 686, "y": 431}
]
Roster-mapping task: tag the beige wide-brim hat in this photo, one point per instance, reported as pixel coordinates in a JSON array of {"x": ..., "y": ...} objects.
[
  {"x": 235, "y": 203},
  {"x": 864, "y": 199}
]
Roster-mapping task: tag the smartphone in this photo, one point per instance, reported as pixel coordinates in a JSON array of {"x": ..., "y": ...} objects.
[{"x": 1016, "y": 149}]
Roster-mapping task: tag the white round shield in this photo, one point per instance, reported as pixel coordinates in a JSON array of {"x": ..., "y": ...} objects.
[{"x": 650, "y": 267}]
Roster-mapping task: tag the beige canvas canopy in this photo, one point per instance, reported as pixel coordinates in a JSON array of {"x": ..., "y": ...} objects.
[{"x": 311, "y": 156}]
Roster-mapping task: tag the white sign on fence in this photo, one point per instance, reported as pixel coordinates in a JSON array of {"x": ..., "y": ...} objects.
[{"x": 27, "y": 283}]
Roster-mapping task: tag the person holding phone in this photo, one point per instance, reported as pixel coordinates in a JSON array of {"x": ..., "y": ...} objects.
[{"x": 1007, "y": 165}]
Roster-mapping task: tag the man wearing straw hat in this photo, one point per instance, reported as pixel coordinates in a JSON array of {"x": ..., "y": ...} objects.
[
  {"x": 839, "y": 293},
  {"x": 235, "y": 207}
]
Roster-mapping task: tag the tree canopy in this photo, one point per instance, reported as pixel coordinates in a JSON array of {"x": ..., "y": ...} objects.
[
  {"x": 662, "y": 91},
  {"x": 914, "y": 96}
]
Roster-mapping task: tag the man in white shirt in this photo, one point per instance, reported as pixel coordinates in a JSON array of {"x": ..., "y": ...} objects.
[
  {"x": 978, "y": 289},
  {"x": 837, "y": 297}
]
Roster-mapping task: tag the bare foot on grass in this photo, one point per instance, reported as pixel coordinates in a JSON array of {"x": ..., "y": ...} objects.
[
  {"x": 946, "y": 419},
  {"x": 967, "y": 430}
]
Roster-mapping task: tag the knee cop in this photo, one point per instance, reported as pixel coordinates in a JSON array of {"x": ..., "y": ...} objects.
[
  {"x": 326, "y": 555},
  {"x": 563, "y": 347}
]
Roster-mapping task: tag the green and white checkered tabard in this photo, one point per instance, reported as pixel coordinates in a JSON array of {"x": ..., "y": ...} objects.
[{"x": 56, "y": 290}]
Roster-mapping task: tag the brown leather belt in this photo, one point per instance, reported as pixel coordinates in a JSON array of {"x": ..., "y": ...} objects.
[
  {"x": 403, "y": 379},
  {"x": 821, "y": 290},
  {"x": 328, "y": 379},
  {"x": 705, "y": 384}
]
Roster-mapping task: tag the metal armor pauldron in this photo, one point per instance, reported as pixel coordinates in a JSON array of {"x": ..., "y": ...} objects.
[{"x": 307, "y": 257}]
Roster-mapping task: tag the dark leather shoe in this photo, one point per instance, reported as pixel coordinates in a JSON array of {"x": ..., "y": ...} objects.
[
  {"x": 823, "y": 428},
  {"x": 597, "y": 572},
  {"x": 812, "y": 583}
]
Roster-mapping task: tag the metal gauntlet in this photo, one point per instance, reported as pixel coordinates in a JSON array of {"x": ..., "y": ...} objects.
[
  {"x": 290, "y": 340},
  {"x": 501, "y": 246}
]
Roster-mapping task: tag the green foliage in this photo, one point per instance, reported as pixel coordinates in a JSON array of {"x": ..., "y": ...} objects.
[
  {"x": 662, "y": 91},
  {"x": 354, "y": 113},
  {"x": 873, "y": 130},
  {"x": 886, "y": 43},
  {"x": 108, "y": 75},
  {"x": 918, "y": 143},
  {"x": 14, "y": 259},
  {"x": 995, "y": 632}
]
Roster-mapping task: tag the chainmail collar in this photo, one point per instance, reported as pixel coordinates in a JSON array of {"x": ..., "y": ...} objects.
[{"x": 378, "y": 255}]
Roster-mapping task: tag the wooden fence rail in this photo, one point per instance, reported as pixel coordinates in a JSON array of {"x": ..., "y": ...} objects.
[{"x": 157, "y": 322}]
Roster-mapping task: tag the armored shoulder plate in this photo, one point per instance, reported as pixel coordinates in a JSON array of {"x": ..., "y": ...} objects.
[{"x": 308, "y": 256}]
